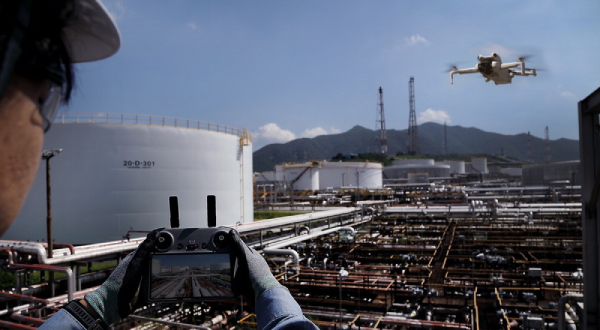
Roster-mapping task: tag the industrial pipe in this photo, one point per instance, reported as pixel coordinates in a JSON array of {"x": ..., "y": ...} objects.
[
  {"x": 289, "y": 252},
  {"x": 83, "y": 253},
  {"x": 309, "y": 236},
  {"x": 68, "y": 271},
  {"x": 24, "y": 298},
  {"x": 169, "y": 323},
  {"x": 19, "y": 317},
  {"x": 285, "y": 276},
  {"x": 11, "y": 325},
  {"x": 562, "y": 309},
  {"x": 16, "y": 309},
  {"x": 32, "y": 290},
  {"x": 9, "y": 253},
  {"x": 67, "y": 245}
]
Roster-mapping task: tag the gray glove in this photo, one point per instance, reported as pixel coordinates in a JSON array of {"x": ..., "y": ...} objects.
[
  {"x": 117, "y": 296},
  {"x": 253, "y": 276}
]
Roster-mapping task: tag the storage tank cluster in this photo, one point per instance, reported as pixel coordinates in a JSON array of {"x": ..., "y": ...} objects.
[
  {"x": 544, "y": 174},
  {"x": 320, "y": 175},
  {"x": 116, "y": 172}
]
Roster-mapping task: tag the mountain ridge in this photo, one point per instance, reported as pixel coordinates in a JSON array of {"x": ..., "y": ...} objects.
[{"x": 461, "y": 140}]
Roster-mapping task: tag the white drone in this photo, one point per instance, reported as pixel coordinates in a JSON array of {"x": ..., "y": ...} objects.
[{"x": 492, "y": 68}]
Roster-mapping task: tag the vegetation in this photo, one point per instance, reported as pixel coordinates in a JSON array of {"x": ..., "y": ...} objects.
[
  {"x": 366, "y": 157},
  {"x": 459, "y": 157}
]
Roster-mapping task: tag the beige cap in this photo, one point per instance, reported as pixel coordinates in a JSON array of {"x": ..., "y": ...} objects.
[{"x": 92, "y": 35}]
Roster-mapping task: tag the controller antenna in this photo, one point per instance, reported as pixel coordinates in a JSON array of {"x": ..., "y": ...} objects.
[
  {"x": 174, "y": 210},
  {"x": 211, "y": 210}
]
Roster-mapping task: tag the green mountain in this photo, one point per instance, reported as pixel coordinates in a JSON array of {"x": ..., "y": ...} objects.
[{"x": 461, "y": 140}]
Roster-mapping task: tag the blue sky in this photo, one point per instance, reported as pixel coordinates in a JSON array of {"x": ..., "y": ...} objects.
[{"x": 290, "y": 69}]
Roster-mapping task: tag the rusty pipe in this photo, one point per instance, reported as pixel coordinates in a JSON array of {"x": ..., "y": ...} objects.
[
  {"x": 67, "y": 245},
  {"x": 11, "y": 325},
  {"x": 24, "y": 298},
  {"x": 19, "y": 317}
]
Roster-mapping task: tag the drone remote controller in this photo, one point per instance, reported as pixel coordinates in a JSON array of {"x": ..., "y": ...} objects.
[{"x": 191, "y": 264}]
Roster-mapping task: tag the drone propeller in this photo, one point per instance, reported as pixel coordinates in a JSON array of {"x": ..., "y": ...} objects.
[
  {"x": 524, "y": 57},
  {"x": 450, "y": 68},
  {"x": 536, "y": 70}
]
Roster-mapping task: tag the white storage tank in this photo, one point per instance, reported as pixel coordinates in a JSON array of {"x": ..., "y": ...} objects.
[
  {"x": 268, "y": 176},
  {"x": 544, "y": 174},
  {"x": 303, "y": 176},
  {"x": 414, "y": 178},
  {"x": 479, "y": 165},
  {"x": 456, "y": 166},
  {"x": 116, "y": 173},
  {"x": 279, "y": 172},
  {"x": 402, "y": 171},
  {"x": 512, "y": 171},
  {"x": 344, "y": 174}
]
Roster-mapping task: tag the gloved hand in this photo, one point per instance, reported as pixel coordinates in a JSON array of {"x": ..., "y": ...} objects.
[
  {"x": 117, "y": 296},
  {"x": 253, "y": 276}
]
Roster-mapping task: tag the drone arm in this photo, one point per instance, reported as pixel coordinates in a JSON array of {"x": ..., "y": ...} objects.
[
  {"x": 510, "y": 65},
  {"x": 523, "y": 72},
  {"x": 462, "y": 71}
]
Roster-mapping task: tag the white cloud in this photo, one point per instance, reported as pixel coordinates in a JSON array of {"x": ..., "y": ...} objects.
[
  {"x": 313, "y": 132},
  {"x": 564, "y": 93},
  {"x": 271, "y": 133},
  {"x": 436, "y": 116},
  {"x": 416, "y": 39},
  {"x": 192, "y": 26},
  {"x": 567, "y": 94}
]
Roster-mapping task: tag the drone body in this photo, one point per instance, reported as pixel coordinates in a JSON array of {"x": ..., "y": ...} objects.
[{"x": 492, "y": 68}]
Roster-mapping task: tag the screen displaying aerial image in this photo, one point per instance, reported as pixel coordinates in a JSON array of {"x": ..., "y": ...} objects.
[{"x": 190, "y": 276}]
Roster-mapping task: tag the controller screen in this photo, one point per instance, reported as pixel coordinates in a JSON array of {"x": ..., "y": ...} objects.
[{"x": 190, "y": 276}]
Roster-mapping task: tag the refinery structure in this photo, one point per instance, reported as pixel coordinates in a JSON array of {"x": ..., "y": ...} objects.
[{"x": 419, "y": 244}]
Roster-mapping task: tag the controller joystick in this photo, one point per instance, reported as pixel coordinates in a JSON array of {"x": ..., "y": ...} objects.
[{"x": 165, "y": 240}]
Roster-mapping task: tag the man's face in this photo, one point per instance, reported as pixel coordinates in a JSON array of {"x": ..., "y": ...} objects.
[{"x": 21, "y": 139}]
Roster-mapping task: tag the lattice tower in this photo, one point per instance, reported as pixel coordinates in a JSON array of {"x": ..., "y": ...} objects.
[
  {"x": 548, "y": 155},
  {"x": 529, "y": 158},
  {"x": 381, "y": 124},
  {"x": 412, "y": 141}
]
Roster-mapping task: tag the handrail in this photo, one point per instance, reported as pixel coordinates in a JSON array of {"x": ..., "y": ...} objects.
[{"x": 149, "y": 120}]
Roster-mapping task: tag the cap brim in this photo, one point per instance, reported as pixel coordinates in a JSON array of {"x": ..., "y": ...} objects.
[{"x": 92, "y": 35}]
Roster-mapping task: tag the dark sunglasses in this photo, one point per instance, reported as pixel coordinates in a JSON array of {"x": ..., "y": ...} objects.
[{"x": 49, "y": 105}]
